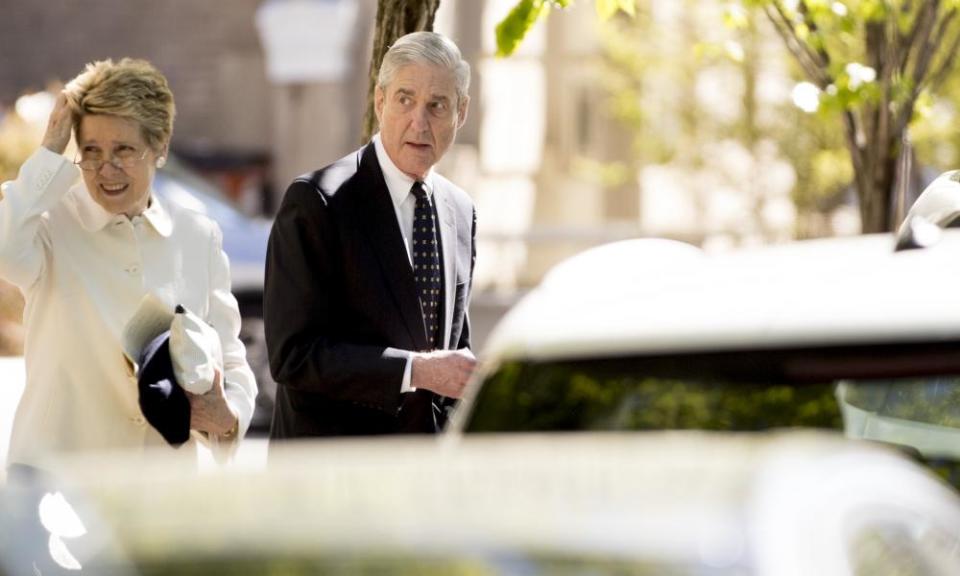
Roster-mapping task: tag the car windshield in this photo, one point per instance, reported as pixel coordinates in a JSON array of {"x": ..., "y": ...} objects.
[
  {"x": 908, "y": 395},
  {"x": 401, "y": 565}
]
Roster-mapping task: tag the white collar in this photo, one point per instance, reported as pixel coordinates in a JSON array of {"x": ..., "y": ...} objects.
[
  {"x": 398, "y": 183},
  {"x": 93, "y": 217}
]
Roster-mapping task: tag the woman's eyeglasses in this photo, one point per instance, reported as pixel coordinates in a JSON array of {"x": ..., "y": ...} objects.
[{"x": 121, "y": 159}]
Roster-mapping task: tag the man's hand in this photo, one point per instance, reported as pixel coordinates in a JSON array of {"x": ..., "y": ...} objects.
[
  {"x": 210, "y": 412},
  {"x": 443, "y": 371},
  {"x": 59, "y": 126}
]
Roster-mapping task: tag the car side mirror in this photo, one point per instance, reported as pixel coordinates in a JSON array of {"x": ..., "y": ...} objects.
[{"x": 917, "y": 232}]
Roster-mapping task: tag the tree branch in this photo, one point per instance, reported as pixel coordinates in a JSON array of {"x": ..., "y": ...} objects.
[
  {"x": 853, "y": 143},
  {"x": 940, "y": 72},
  {"x": 938, "y": 76},
  {"x": 811, "y": 54},
  {"x": 820, "y": 55},
  {"x": 909, "y": 40},
  {"x": 796, "y": 46},
  {"x": 926, "y": 46}
]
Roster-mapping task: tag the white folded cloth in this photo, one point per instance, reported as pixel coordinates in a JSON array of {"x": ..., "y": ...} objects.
[
  {"x": 151, "y": 319},
  {"x": 195, "y": 349}
]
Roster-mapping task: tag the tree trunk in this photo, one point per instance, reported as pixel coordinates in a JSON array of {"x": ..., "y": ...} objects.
[
  {"x": 875, "y": 188},
  {"x": 903, "y": 50},
  {"x": 880, "y": 141},
  {"x": 394, "y": 19}
]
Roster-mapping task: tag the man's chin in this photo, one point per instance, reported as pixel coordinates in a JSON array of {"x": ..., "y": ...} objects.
[{"x": 416, "y": 170}]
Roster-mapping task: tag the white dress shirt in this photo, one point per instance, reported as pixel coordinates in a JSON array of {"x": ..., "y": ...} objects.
[
  {"x": 399, "y": 185},
  {"x": 83, "y": 272},
  {"x": 404, "y": 204}
]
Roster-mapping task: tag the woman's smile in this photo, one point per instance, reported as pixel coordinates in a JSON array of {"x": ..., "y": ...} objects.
[{"x": 114, "y": 189}]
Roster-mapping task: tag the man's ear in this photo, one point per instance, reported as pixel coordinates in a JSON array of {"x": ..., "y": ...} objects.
[
  {"x": 378, "y": 97},
  {"x": 462, "y": 111}
]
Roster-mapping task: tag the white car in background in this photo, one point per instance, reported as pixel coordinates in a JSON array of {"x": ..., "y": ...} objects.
[
  {"x": 755, "y": 413},
  {"x": 848, "y": 334},
  {"x": 649, "y": 409},
  {"x": 664, "y": 503}
]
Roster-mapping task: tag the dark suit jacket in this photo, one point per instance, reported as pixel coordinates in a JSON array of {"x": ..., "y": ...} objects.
[{"x": 340, "y": 305}]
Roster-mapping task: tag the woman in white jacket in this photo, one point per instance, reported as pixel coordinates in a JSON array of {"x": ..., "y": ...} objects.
[{"x": 85, "y": 255}]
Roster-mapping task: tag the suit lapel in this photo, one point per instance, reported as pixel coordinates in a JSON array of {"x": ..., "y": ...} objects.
[
  {"x": 384, "y": 232},
  {"x": 448, "y": 242}
]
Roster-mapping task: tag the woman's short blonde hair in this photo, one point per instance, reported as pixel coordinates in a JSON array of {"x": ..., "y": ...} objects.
[{"x": 131, "y": 89}]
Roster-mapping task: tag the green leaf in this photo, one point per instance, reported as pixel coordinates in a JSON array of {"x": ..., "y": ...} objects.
[
  {"x": 923, "y": 107},
  {"x": 816, "y": 5},
  {"x": 735, "y": 17},
  {"x": 607, "y": 8},
  {"x": 872, "y": 10},
  {"x": 512, "y": 29}
]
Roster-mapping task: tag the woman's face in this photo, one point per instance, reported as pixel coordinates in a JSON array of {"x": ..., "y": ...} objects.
[{"x": 116, "y": 162}]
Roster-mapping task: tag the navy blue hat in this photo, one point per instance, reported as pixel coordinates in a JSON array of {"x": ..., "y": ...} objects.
[{"x": 163, "y": 402}]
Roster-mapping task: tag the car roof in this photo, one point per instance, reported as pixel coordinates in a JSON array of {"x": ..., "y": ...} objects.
[
  {"x": 674, "y": 497},
  {"x": 638, "y": 297}
]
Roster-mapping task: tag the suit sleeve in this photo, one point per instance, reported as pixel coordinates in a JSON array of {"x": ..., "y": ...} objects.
[{"x": 307, "y": 351}]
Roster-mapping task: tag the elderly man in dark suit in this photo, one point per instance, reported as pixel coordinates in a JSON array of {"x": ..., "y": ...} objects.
[{"x": 370, "y": 265}]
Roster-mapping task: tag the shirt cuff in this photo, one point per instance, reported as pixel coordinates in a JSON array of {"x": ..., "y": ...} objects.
[{"x": 407, "y": 376}]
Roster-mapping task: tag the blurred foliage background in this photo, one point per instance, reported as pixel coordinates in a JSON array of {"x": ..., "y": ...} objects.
[{"x": 873, "y": 108}]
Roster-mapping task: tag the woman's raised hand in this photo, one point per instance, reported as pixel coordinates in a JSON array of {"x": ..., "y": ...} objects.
[{"x": 59, "y": 126}]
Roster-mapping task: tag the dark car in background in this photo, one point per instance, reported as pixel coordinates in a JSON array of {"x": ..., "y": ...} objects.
[{"x": 245, "y": 243}]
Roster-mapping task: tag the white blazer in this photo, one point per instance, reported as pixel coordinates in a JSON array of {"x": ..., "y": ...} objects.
[{"x": 83, "y": 271}]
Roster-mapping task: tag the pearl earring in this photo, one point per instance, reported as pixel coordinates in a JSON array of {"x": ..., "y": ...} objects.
[{"x": 161, "y": 161}]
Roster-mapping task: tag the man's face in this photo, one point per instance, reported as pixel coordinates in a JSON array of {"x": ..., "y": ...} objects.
[{"x": 419, "y": 117}]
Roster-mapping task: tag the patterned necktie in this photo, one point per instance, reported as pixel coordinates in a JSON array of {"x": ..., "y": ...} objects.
[{"x": 426, "y": 262}]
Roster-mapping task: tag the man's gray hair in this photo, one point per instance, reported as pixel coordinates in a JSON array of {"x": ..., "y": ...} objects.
[{"x": 427, "y": 48}]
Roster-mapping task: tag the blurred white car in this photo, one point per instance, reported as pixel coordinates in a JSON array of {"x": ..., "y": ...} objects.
[
  {"x": 665, "y": 503},
  {"x": 939, "y": 203},
  {"x": 844, "y": 334}
]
